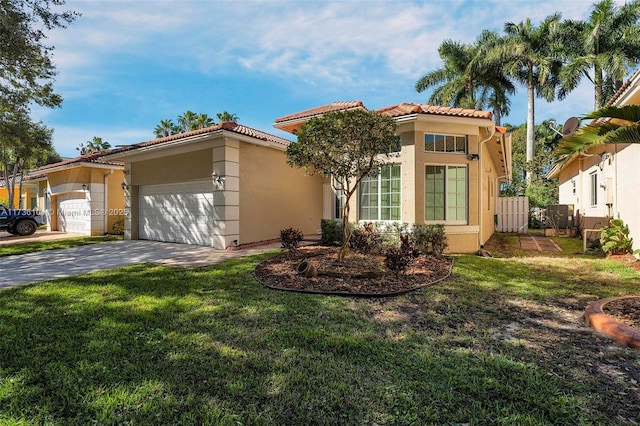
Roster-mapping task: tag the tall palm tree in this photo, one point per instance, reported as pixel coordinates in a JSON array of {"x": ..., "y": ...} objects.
[
  {"x": 466, "y": 80},
  {"x": 203, "y": 120},
  {"x": 530, "y": 56},
  {"x": 94, "y": 145},
  {"x": 165, "y": 128},
  {"x": 188, "y": 121},
  {"x": 611, "y": 125},
  {"x": 609, "y": 44},
  {"x": 227, "y": 116}
]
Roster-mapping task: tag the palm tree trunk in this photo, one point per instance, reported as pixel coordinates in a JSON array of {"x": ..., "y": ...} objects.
[
  {"x": 530, "y": 125},
  {"x": 597, "y": 85}
]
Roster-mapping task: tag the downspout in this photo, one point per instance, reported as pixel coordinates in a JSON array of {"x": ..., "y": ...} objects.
[
  {"x": 106, "y": 200},
  {"x": 492, "y": 132}
]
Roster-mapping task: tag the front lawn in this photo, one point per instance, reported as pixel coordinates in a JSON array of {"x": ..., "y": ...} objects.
[{"x": 502, "y": 341}]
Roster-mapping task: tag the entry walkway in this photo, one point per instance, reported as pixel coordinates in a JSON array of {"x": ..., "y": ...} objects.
[
  {"x": 60, "y": 263},
  {"x": 537, "y": 242}
]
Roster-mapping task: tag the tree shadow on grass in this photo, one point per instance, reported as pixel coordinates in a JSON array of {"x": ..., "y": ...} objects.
[{"x": 150, "y": 344}]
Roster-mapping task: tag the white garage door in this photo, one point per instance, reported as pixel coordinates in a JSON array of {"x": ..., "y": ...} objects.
[
  {"x": 74, "y": 213},
  {"x": 179, "y": 212}
]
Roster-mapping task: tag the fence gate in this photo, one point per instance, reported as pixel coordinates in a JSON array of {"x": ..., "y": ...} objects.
[{"x": 512, "y": 214}]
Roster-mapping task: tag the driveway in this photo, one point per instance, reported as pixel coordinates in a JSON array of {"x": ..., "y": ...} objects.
[
  {"x": 46, "y": 265},
  {"x": 7, "y": 238}
]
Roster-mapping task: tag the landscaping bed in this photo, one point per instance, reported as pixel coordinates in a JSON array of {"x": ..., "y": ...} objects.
[{"x": 357, "y": 274}]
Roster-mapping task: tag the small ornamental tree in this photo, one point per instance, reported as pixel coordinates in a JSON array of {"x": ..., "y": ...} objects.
[{"x": 347, "y": 146}]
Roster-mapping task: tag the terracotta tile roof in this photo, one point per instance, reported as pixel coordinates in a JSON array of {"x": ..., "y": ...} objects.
[
  {"x": 227, "y": 125},
  {"x": 408, "y": 108},
  {"x": 622, "y": 88},
  {"x": 93, "y": 157},
  {"x": 501, "y": 129},
  {"x": 335, "y": 106},
  {"x": 27, "y": 177}
]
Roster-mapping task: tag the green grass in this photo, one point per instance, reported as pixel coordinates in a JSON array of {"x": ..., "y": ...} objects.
[
  {"x": 22, "y": 248},
  {"x": 500, "y": 342}
]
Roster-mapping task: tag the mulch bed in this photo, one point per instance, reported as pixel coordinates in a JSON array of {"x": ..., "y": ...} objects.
[
  {"x": 357, "y": 275},
  {"x": 626, "y": 311}
]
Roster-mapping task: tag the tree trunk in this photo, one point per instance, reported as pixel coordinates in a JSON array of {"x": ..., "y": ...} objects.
[
  {"x": 597, "y": 86},
  {"x": 346, "y": 229},
  {"x": 530, "y": 126}
]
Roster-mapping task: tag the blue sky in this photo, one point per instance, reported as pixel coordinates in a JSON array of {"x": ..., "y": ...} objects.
[{"x": 125, "y": 65}]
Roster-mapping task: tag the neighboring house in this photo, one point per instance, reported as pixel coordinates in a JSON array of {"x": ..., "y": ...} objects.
[
  {"x": 29, "y": 198},
  {"x": 83, "y": 195},
  {"x": 601, "y": 182},
  {"x": 222, "y": 186},
  {"x": 447, "y": 171}
]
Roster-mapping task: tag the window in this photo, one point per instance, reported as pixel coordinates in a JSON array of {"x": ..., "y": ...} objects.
[
  {"x": 380, "y": 195},
  {"x": 445, "y": 143},
  {"x": 594, "y": 188},
  {"x": 445, "y": 194}
]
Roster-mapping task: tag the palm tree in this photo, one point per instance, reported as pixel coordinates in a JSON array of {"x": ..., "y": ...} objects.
[
  {"x": 611, "y": 125},
  {"x": 94, "y": 145},
  {"x": 466, "y": 80},
  {"x": 609, "y": 43},
  {"x": 530, "y": 57},
  {"x": 165, "y": 128},
  {"x": 187, "y": 121},
  {"x": 225, "y": 116},
  {"x": 203, "y": 121}
]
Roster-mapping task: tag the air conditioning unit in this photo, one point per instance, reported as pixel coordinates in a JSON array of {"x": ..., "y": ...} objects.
[{"x": 560, "y": 216}]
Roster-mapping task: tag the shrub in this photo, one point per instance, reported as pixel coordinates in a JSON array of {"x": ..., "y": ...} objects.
[
  {"x": 366, "y": 239},
  {"x": 331, "y": 232},
  {"x": 430, "y": 239},
  {"x": 290, "y": 239},
  {"x": 614, "y": 239},
  {"x": 399, "y": 259}
]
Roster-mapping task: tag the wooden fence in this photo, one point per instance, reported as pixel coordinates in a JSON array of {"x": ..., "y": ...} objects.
[{"x": 512, "y": 214}]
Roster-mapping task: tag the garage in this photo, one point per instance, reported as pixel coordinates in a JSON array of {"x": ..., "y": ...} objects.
[
  {"x": 74, "y": 213},
  {"x": 177, "y": 212}
]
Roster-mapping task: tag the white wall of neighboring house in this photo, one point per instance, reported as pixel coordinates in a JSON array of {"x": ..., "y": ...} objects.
[
  {"x": 628, "y": 190},
  {"x": 618, "y": 185}
]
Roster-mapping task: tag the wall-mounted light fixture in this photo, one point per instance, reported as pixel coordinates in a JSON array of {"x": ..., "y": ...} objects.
[
  {"x": 124, "y": 186},
  {"x": 84, "y": 187},
  {"x": 472, "y": 157},
  {"x": 218, "y": 181}
]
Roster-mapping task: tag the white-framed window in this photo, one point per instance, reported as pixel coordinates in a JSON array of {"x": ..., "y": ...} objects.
[
  {"x": 445, "y": 143},
  {"x": 379, "y": 196},
  {"x": 446, "y": 194},
  {"x": 594, "y": 188}
]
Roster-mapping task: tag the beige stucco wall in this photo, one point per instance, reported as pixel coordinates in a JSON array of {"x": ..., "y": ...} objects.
[
  {"x": 195, "y": 165},
  {"x": 274, "y": 196}
]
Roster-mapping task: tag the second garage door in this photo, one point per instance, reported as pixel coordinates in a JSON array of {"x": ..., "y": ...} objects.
[
  {"x": 177, "y": 212},
  {"x": 74, "y": 213}
]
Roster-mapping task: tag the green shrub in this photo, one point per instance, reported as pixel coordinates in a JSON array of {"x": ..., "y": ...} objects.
[
  {"x": 614, "y": 239},
  {"x": 399, "y": 259},
  {"x": 365, "y": 239},
  {"x": 290, "y": 239},
  {"x": 430, "y": 239},
  {"x": 331, "y": 232}
]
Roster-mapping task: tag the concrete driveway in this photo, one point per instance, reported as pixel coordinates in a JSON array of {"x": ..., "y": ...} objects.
[{"x": 45, "y": 265}]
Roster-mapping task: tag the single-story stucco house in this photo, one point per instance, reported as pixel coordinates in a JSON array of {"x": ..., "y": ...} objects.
[
  {"x": 223, "y": 186},
  {"x": 448, "y": 171},
  {"x": 599, "y": 182},
  {"x": 82, "y": 195}
]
